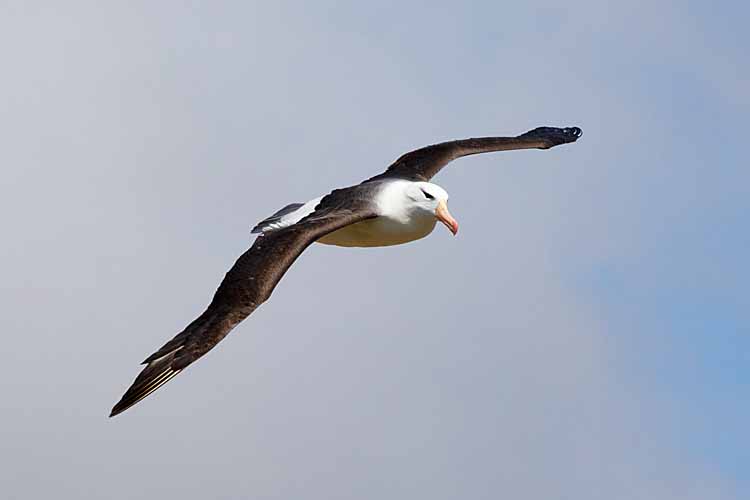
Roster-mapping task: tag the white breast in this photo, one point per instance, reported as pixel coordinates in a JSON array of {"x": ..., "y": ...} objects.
[{"x": 380, "y": 232}]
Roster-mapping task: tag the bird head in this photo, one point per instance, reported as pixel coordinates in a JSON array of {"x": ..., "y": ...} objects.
[{"x": 433, "y": 199}]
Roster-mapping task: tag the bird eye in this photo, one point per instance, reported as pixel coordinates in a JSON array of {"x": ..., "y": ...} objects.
[{"x": 428, "y": 195}]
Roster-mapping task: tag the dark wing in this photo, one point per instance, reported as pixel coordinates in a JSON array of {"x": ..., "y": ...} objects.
[
  {"x": 422, "y": 164},
  {"x": 247, "y": 285}
]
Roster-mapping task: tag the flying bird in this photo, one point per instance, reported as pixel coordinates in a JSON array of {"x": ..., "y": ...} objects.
[{"x": 397, "y": 206}]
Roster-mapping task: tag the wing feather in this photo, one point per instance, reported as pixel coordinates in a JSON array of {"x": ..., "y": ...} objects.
[
  {"x": 424, "y": 163},
  {"x": 248, "y": 284}
]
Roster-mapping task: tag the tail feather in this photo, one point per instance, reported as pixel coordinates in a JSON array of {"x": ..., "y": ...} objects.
[{"x": 275, "y": 220}]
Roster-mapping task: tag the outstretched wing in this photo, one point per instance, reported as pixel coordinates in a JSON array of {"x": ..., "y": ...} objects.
[
  {"x": 246, "y": 286},
  {"x": 424, "y": 163}
]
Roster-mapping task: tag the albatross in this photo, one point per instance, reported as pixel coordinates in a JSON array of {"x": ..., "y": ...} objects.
[{"x": 395, "y": 207}]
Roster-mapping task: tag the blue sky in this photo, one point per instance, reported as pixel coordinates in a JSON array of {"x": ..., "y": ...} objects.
[{"x": 585, "y": 335}]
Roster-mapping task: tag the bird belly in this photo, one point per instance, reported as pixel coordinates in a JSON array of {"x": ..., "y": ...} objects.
[{"x": 379, "y": 232}]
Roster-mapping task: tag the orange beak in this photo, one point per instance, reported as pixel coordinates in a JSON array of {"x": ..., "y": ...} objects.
[{"x": 443, "y": 215}]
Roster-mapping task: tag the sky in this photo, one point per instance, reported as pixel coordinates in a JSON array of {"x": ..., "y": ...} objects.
[{"x": 585, "y": 336}]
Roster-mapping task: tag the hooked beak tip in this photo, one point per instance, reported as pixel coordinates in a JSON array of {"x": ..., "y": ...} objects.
[{"x": 443, "y": 215}]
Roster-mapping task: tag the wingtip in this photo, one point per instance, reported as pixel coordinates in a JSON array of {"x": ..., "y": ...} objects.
[
  {"x": 117, "y": 409},
  {"x": 142, "y": 389},
  {"x": 565, "y": 135},
  {"x": 554, "y": 136},
  {"x": 575, "y": 132}
]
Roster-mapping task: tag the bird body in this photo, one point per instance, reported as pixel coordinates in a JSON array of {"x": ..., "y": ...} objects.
[
  {"x": 400, "y": 218},
  {"x": 395, "y": 207},
  {"x": 381, "y": 232}
]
